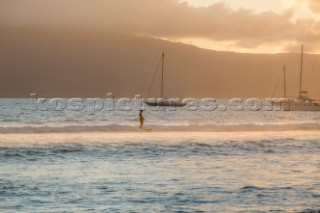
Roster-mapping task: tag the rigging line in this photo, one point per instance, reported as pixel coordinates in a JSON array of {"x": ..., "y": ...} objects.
[
  {"x": 311, "y": 73},
  {"x": 277, "y": 85},
  {"x": 316, "y": 73},
  {"x": 154, "y": 77},
  {"x": 316, "y": 81}
]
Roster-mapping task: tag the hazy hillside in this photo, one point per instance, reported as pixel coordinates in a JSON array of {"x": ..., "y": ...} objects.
[{"x": 89, "y": 64}]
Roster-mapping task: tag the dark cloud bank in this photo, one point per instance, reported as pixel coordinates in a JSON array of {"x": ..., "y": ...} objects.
[{"x": 166, "y": 18}]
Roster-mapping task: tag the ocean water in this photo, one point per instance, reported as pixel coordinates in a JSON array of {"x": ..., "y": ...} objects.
[{"x": 62, "y": 160}]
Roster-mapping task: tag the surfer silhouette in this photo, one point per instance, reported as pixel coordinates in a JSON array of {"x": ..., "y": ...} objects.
[{"x": 141, "y": 119}]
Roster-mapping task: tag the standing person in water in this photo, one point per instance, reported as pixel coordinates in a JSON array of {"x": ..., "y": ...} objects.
[{"x": 141, "y": 119}]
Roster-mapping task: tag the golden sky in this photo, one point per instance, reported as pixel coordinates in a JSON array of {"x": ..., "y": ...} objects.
[
  {"x": 264, "y": 26},
  {"x": 303, "y": 12}
]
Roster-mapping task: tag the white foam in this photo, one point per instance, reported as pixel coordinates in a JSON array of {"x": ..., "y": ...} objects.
[{"x": 161, "y": 128}]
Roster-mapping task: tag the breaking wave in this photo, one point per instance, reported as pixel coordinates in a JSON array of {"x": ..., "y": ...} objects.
[{"x": 160, "y": 128}]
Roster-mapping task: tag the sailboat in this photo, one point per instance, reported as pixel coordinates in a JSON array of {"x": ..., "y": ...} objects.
[
  {"x": 302, "y": 102},
  {"x": 164, "y": 102}
]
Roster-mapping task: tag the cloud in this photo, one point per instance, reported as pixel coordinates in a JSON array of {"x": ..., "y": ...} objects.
[{"x": 170, "y": 19}]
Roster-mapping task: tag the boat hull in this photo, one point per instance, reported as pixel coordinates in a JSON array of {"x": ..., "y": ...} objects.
[
  {"x": 165, "y": 104},
  {"x": 300, "y": 106}
]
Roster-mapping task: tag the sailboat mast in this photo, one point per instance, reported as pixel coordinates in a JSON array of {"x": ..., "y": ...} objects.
[
  {"x": 285, "y": 81},
  {"x": 162, "y": 68},
  {"x": 301, "y": 70}
]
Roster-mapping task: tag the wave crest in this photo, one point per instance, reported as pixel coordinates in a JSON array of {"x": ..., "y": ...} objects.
[{"x": 132, "y": 128}]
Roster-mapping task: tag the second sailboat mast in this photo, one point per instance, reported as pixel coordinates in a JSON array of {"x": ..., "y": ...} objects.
[
  {"x": 301, "y": 70},
  {"x": 162, "y": 75}
]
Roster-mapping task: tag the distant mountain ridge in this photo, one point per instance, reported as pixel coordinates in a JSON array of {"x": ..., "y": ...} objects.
[{"x": 66, "y": 63}]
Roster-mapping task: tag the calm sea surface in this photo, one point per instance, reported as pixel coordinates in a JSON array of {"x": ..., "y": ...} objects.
[{"x": 183, "y": 161}]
